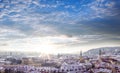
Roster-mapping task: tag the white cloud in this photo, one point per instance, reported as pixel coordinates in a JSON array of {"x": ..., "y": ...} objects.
[
  {"x": 40, "y": 44},
  {"x": 8, "y": 34},
  {"x": 43, "y": 30},
  {"x": 2, "y": 5},
  {"x": 69, "y": 6},
  {"x": 102, "y": 8}
]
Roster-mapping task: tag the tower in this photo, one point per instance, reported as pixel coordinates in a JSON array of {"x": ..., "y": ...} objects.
[
  {"x": 80, "y": 54},
  {"x": 100, "y": 52},
  {"x": 100, "y": 55},
  {"x": 81, "y": 58}
]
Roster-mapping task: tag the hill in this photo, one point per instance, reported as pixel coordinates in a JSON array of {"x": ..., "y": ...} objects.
[{"x": 104, "y": 50}]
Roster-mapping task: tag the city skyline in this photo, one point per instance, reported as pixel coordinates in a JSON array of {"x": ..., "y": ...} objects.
[{"x": 59, "y": 26}]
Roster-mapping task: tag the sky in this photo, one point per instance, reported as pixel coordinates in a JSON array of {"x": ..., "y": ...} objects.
[{"x": 59, "y": 26}]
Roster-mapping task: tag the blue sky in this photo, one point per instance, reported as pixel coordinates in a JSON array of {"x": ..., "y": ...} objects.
[{"x": 65, "y": 25}]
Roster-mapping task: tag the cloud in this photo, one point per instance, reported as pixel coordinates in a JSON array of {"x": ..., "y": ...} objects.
[
  {"x": 42, "y": 44},
  {"x": 103, "y": 8},
  {"x": 10, "y": 34},
  {"x": 25, "y": 14},
  {"x": 64, "y": 23}
]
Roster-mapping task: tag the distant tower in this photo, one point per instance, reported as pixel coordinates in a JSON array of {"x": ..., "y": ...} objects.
[
  {"x": 58, "y": 55},
  {"x": 80, "y": 54},
  {"x": 81, "y": 58},
  {"x": 100, "y": 52},
  {"x": 100, "y": 55}
]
